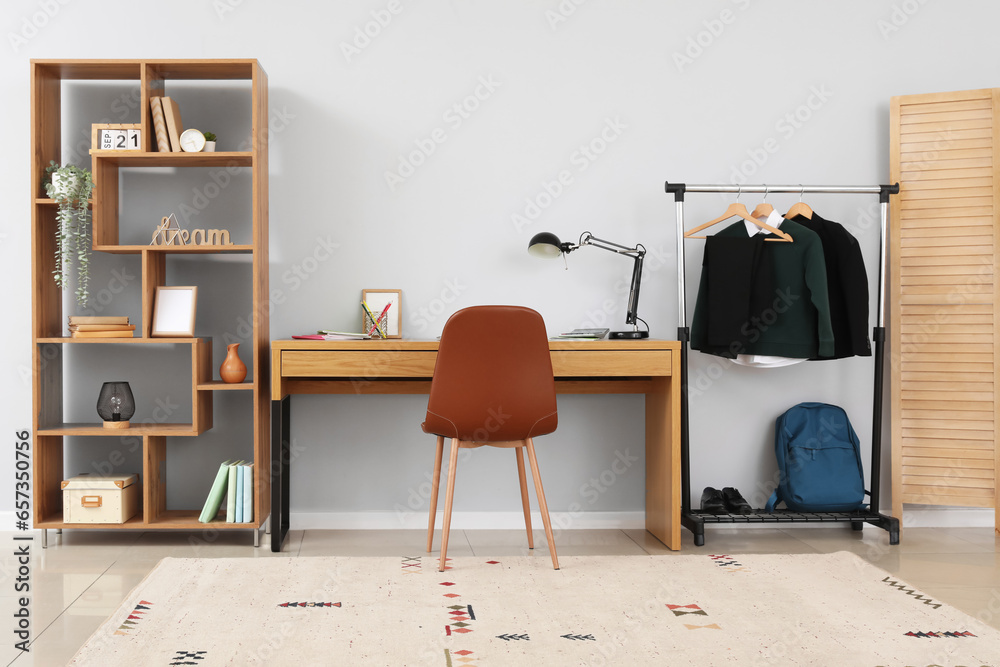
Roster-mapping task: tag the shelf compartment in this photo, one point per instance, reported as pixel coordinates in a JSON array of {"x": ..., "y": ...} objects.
[
  {"x": 83, "y": 428},
  {"x": 55, "y": 522},
  {"x": 175, "y": 250},
  {"x": 114, "y": 341},
  {"x": 47, "y": 201},
  {"x": 235, "y": 68},
  {"x": 188, "y": 520},
  {"x": 157, "y": 159},
  {"x": 89, "y": 69},
  {"x": 217, "y": 385}
]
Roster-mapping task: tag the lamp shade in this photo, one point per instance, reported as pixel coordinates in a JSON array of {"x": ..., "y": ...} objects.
[
  {"x": 115, "y": 404},
  {"x": 545, "y": 244}
]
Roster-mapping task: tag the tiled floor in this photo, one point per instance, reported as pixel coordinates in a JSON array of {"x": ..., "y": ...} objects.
[{"x": 83, "y": 576}]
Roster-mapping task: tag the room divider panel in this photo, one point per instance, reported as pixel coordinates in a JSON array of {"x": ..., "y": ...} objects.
[{"x": 943, "y": 320}]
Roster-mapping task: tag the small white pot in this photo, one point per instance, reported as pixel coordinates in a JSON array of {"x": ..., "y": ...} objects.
[
  {"x": 209, "y": 147},
  {"x": 58, "y": 185}
]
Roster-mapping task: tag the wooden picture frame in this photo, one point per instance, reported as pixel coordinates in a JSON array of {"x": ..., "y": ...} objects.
[
  {"x": 174, "y": 311},
  {"x": 377, "y": 300}
]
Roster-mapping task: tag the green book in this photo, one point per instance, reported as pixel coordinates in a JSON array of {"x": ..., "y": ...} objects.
[{"x": 214, "y": 499}]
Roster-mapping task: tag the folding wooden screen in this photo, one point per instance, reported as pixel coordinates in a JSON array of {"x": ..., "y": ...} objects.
[{"x": 944, "y": 298}]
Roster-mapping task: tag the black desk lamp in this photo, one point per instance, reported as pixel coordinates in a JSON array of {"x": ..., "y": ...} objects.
[{"x": 547, "y": 244}]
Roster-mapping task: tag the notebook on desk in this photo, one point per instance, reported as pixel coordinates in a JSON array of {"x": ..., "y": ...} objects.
[{"x": 583, "y": 334}]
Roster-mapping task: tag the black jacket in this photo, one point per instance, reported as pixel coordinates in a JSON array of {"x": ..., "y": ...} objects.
[{"x": 847, "y": 283}]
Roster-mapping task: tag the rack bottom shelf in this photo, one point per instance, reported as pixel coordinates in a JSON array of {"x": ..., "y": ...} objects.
[{"x": 695, "y": 520}]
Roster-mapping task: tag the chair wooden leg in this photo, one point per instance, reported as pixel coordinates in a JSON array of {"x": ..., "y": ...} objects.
[
  {"x": 543, "y": 506},
  {"x": 435, "y": 483},
  {"x": 449, "y": 497},
  {"x": 524, "y": 495}
]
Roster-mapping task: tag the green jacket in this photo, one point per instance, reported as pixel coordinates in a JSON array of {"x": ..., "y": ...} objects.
[{"x": 793, "y": 318}]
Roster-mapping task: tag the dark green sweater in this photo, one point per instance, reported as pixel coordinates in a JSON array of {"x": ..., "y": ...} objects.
[{"x": 790, "y": 316}]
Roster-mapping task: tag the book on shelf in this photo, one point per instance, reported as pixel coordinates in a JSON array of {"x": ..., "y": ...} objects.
[
  {"x": 98, "y": 319},
  {"x": 583, "y": 334},
  {"x": 159, "y": 125},
  {"x": 172, "y": 116},
  {"x": 102, "y": 327},
  {"x": 214, "y": 500},
  {"x": 231, "y": 496},
  {"x": 238, "y": 502},
  {"x": 248, "y": 493},
  {"x": 127, "y": 333}
]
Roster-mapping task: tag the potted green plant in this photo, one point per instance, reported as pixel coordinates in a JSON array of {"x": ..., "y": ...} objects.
[
  {"x": 71, "y": 188},
  {"x": 209, "y": 142}
]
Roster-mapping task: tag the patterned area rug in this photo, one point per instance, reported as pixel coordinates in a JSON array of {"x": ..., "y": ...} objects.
[{"x": 828, "y": 609}]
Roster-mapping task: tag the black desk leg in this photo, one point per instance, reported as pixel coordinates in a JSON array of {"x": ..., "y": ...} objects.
[{"x": 280, "y": 460}]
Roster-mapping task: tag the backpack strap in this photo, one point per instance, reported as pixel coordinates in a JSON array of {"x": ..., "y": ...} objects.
[{"x": 772, "y": 502}]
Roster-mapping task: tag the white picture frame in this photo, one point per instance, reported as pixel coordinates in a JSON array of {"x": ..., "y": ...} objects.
[
  {"x": 174, "y": 311},
  {"x": 377, "y": 299}
]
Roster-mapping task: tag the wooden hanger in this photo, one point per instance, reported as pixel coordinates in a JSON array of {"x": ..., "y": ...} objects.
[
  {"x": 738, "y": 209},
  {"x": 763, "y": 208},
  {"x": 800, "y": 208}
]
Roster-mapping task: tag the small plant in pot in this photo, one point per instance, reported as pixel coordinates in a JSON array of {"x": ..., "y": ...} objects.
[
  {"x": 71, "y": 188},
  {"x": 209, "y": 142}
]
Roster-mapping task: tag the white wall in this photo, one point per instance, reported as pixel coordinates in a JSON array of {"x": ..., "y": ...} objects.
[{"x": 720, "y": 91}]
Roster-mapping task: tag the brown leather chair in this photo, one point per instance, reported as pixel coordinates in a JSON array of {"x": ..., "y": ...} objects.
[{"x": 492, "y": 385}]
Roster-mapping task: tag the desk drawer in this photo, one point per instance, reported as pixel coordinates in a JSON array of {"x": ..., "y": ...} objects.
[
  {"x": 358, "y": 363},
  {"x": 610, "y": 363}
]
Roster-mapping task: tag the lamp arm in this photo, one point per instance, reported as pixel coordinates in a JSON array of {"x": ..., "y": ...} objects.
[
  {"x": 589, "y": 239},
  {"x": 637, "y": 253},
  {"x": 633, "y": 295}
]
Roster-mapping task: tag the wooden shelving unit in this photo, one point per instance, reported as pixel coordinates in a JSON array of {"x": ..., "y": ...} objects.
[{"x": 48, "y": 321}]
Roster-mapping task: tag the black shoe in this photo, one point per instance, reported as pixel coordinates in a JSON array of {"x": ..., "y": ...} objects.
[
  {"x": 712, "y": 501},
  {"x": 734, "y": 502}
]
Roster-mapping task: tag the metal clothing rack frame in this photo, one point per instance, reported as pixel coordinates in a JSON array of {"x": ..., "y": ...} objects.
[{"x": 695, "y": 520}]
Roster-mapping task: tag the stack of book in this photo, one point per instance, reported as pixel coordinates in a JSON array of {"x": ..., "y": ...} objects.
[
  {"x": 583, "y": 334},
  {"x": 167, "y": 124},
  {"x": 234, "y": 482},
  {"x": 99, "y": 326}
]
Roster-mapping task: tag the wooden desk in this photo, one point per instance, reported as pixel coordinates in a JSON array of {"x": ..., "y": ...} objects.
[{"x": 650, "y": 367}]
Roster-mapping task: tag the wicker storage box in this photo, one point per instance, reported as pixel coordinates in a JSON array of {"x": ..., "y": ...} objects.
[{"x": 98, "y": 499}]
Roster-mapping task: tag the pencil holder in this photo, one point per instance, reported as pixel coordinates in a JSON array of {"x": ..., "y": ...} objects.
[{"x": 370, "y": 328}]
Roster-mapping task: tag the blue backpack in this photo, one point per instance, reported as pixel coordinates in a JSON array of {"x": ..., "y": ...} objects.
[{"x": 819, "y": 460}]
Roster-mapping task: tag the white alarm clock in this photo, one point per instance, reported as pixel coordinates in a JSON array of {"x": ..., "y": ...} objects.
[{"x": 192, "y": 141}]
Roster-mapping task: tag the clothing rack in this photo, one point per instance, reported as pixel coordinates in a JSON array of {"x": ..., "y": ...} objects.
[{"x": 695, "y": 520}]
